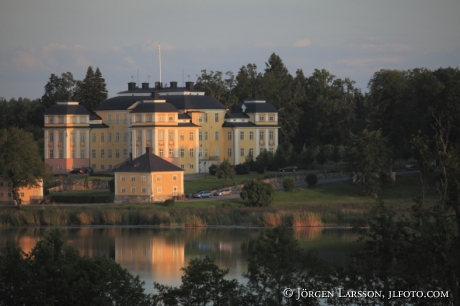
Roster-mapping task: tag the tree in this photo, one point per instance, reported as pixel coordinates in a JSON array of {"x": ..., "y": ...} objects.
[
  {"x": 248, "y": 82},
  {"x": 225, "y": 170},
  {"x": 203, "y": 284},
  {"x": 214, "y": 85},
  {"x": 288, "y": 183},
  {"x": 58, "y": 88},
  {"x": 20, "y": 161},
  {"x": 311, "y": 179},
  {"x": 53, "y": 273},
  {"x": 92, "y": 90},
  {"x": 257, "y": 193},
  {"x": 369, "y": 159}
]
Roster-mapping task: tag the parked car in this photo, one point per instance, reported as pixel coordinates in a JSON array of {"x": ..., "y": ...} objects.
[
  {"x": 288, "y": 169},
  {"x": 203, "y": 194},
  {"x": 77, "y": 171},
  {"x": 88, "y": 169},
  {"x": 223, "y": 192}
]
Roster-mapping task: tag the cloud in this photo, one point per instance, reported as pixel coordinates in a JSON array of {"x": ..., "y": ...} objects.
[{"x": 302, "y": 43}]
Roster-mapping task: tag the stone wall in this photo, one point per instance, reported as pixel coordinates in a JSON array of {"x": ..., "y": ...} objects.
[{"x": 65, "y": 185}]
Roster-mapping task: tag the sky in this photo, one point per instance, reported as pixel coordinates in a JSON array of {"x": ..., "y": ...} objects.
[{"x": 349, "y": 38}]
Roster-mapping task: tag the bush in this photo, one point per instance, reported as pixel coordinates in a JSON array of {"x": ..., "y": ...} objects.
[
  {"x": 213, "y": 169},
  {"x": 288, "y": 184},
  {"x": 311, "y": 179},
  {"x": 257, "y": 193},
  {"x": 242, "y": 169},
  {"x": 81, "y": 199},
  {"x": 169, "y": 203}
]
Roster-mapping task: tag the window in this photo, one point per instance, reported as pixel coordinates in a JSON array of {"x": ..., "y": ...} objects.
[
  {"x": 61, "y": 119},
  {"x": 109, "y": 153},
  {"x": 149, "y": 118},
  {"x": 133, "y": 178},
  {"x": 271, "y": 118},
  {"x": 109, "y": 137},
  {"x": 161, "y": 118},
  {"x": 205, "y": 135},
  {"x": 125, "y": 136},
  {"x": 270, "y": 150},
  {"x": 93, "y": 137},
  {"x": 251, "y": 151},
  {"x": 200, "y": 119},
  {"x": 82, "y": 119},
  {"x": 229, "y": 152},
  {"x": 74, "y": 119},
  {"x": 174, "y": 178},
  {"x": 109, "y": 118},
  {"x": 51, "y": 153},
  {"x": 51, "y": 120},
  {"x": 123, "y": 190},
  {"x": 160, "y": 136},
  {"x": 138, "y": 118},
  {"x": 171, "y": 152},
  {"x": 159, "y": 190},
  {"x": 51, "y": 136},
  {"x": 182, "y": 137},
  {"x": 102, "y": 167},
  {"x": 117, "y": 153},
  {"x": 261, "y": 118},
  {"x": 158, "y": 178},
  {"x": 206, "y": 153},
  {"x": 82, "y": 153},
  {"x": 22, "y": 194},
  {"x": 93, "y": 153},
  {"x": 261, "y": 135},
  {"x": 125, "y": 153},
  {"x": 82, "y": 137},
  {"x": 200, "y": 153},
  {"x": 200, "y": 135},
  {"x": 125, "y": 118},
  {"x": 241, "y": 135},
  {"x": 122, "y": 178},
  {"x": 191, "y": 152},
  {"x": 133, "y": 189},
  {"x": 216, "y": 117},
  {"x": 182, "y": 152},
  {"x": 170, "y": 118},
  {"x": 161, "y": 153},
  {"x": 143, "y": 178},
  {"x": 191, "y": 166},
  {"x": 61, "y": 136},
  {"x": 205, "y": 117},
  {"x": 139, "y": 135},
  {"x": 242, "y": 152},
  {"x": 144, "y": 190},
  {"x": 216, "y": 152},
  {"x": 149, "y": 135},
  {"x": 102, "y": 137},
  {"x": 182, "y": 166},
  {"x": 102, "y": 153},
  {"x": 251, "y": 135},
  {"x": 191, "y": 136},
  {"x": 216, "y": 135},
  {"x": 270, "y": 135},
  {"x": 229, "y": 135},
  {"x": 117, "y": 118},
  {"x": 117, "y": 136},
  {"x": 61, "y": 153}
]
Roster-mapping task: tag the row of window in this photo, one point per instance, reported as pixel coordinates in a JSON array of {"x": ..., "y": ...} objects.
[
  {"x": 117, "y": 118},
  {"x": 144, "y": 178},
  {"x": 270, "y": 118},
  {"x": 62, "y": 119},
  {"x": 143, "y": 190},
  {"x": 205, "y": 118},
  {"x": 149, "y": 118}
]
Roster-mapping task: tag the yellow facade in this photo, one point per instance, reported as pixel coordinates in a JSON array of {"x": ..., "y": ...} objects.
[{"x": 27, "y": 195}]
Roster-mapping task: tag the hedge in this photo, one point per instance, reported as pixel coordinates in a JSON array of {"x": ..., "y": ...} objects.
[{"x": 81, "y": 199}]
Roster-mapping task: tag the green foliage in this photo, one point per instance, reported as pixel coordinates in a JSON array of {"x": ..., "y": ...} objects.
[
  {"x": 214, "y": 85},
  {"x": 111, "y": 185},
  {"x": 311, "y": 179},
  {"x": 323, "y": 154},
  {"x": 55, "y": 273},
  {"x": 82, "y": 199},
  {"x": 92, "y": 90},
  {"x": 225, "y": 170},
  {"x": 369, "y": 159},
  {"x": 169, "y": 203},
  {"x": 20, "y": 160},
  {"x": 288, "y": 183},
  {"x": 264, "y": 161},
  {"x": 213, "y": 169},
  {"x": 242, "y": 169},
  {"x": 58, "y": 88},
  {"x": 257, "y": 193},
  {"x": 203, "y": 283}
]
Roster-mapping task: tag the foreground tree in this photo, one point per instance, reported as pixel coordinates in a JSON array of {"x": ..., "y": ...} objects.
[
  {"x": 20, "y": 161},
  {"x": 53, "y": 273},
  {"x": 257, "y": 193},
  {"x": 225, "y": 170}
]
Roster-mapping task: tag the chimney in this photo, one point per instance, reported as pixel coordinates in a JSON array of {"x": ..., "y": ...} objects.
[
  {"x": 189, "y": 85},
  {"x": 158, "y": 85},
  {"x": 131, "y": 86},
  {"x": 145, "y": 85},
  {"x": 130, "y": 156},
  {"x": 173, "y": 84},
  {"x": 148, "y": 150}
]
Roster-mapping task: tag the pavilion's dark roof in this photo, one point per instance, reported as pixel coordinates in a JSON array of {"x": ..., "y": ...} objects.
[
  {"x": 65, "y": 109},
  {"x": 183, "y": 116},
  {"x": 247, "y": 124},
  {"x": 236, "y": 115},
  {"x": 190, "y": 102},
  {"x": 120, "y": 103},
  {"x": 148, "y": 162},
  {"x": 255, "y": 108},
  {"x": 94, "y": 116},
  {"x": 152, "y": 107},
  {"x": 98, "y": 126}
]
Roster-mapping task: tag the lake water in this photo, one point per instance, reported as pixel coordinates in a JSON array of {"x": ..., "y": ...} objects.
[{"x": 158, "y": 254}]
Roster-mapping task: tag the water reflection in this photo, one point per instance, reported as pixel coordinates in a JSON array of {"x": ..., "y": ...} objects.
[{"x": 158, "y": 254}]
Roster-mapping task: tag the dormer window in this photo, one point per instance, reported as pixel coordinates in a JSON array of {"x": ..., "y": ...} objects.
[
  {"x": 51, "y": 120},
  {"x": 271, "y": 118},
  {"x": 138, "y": 118},
  {"x": 82, "y": 119},
  {"x": 261, "y": 118},
  {"x": 61, "y": 119}
]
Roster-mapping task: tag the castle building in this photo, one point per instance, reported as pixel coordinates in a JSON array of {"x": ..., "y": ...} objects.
[{"x": 180, "y": 124}]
